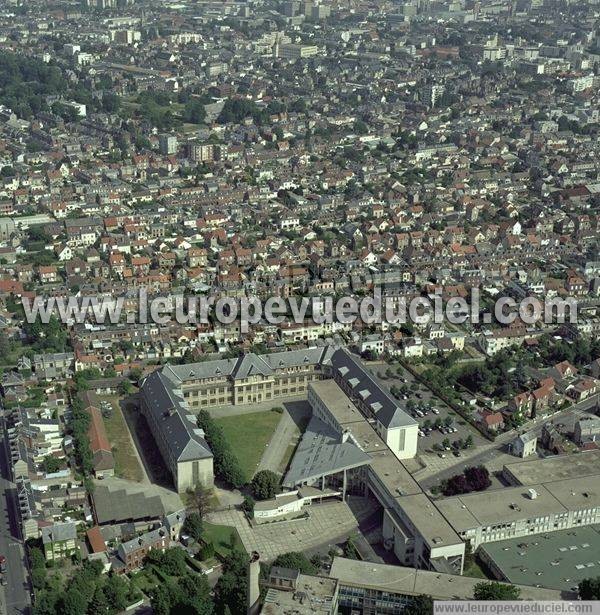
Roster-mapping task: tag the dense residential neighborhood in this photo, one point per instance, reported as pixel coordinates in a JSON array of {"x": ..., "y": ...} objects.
[{"x": 423, "y": 155}]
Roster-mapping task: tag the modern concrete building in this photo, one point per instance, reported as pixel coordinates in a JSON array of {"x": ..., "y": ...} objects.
[
  {"x": 253, "y": 596},
  {"x": 513, "y": 512},
  {"x": 558, "y": 560},
  {"x": 181, "y": 443},
  {"x": 7, "y": 228},
  {"x": 291, "y": 51},
  {"x": 558, "y": 467},
  {"x": 371, "y": 589},
  {"x": 203, "y": 152},
  {"x": 391, "y": 422},
  {"x": 290, "y": 591},
  {"x": 343, "y": 451},
  {"x": 167, "y": 144}
]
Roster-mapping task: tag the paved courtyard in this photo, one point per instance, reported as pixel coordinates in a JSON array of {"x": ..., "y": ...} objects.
[{"x": 327, "y": 521}]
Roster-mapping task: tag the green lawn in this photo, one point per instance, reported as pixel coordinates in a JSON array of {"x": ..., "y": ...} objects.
[
  {"x": 126, "y": 461},
  {"x": 220, "y": 536},
  {"x": 248, "y": 436}
]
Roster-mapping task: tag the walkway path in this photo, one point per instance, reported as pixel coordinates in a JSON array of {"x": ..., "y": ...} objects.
[{"x": 326, "y": 522}]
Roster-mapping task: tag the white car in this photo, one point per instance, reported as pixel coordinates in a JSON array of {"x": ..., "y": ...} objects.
[{"x": 435, "y": 410}]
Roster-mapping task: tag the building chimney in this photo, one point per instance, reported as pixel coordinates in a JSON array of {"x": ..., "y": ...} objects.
[{"x": 253, "y": 586}]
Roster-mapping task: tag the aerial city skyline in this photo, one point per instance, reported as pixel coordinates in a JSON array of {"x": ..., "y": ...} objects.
[{"x": 299, "y": 307}]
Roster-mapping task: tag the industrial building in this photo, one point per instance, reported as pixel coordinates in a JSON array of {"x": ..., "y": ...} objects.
[
  {"x": 557, "y": 560},
  {"x": 522, "y": 511}
]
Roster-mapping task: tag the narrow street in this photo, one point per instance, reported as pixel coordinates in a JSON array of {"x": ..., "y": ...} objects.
[{"x": 15, "y": 594}]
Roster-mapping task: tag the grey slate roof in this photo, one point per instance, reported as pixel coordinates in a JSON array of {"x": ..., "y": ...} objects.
[
  {"x": 145, "y": 540},
  {"x": 59, "y": 532},
  {"x": 171, "y": 412},
  {"x": 366, "y": 387},
  {"x": 120, "y": 506},
  {"x": 322, "y": 452},
  {"x": 248, "y": 364}
]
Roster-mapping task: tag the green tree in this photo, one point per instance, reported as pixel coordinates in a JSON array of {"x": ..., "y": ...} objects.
[
  {"x": 160, "y": 599},
  {"x": 135, "y": 373},
  {"x": 116, "y": 590},
  {"x": 227, "y": 466},
  {"x": 296, "y": 561},
  {"x": 125, "y": 388},
  {"x": 419, "y": 605},
  {"x": 192, "y": 526},
  {"x": 51, "y": 464},
  {"x": 195, "y": 593},
  {"x": 73, "y": 603},
  {"x": 265, "y": 484},
  {"x": 589, "y": 589},
  {"x": 248, "y": 505},
  {"x": 46, "y": 602},
  {"x": 232, "y": 586},
  {"x": 99, "y": 603},
  {"x": 207, "y": 551},
  {"x": 111, "y": 102},
  {"x": 194, "y": 112},
  {"x": 350, "y": 550},
  {"x": 495, "y": 591},
  {"x": 171, "y": 561},
  {"x": 202, "y": 500}
]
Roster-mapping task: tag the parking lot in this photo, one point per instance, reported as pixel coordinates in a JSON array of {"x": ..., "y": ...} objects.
[{"x": 443, "y": 434}]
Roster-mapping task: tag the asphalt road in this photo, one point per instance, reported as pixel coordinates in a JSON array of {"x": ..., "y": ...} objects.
[{"x": 15, "y": 597}]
